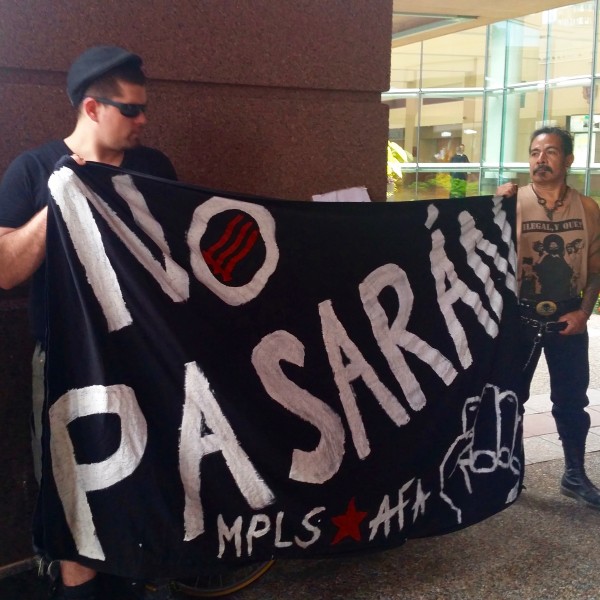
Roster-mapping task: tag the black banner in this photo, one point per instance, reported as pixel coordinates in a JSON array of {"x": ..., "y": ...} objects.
[{"x": 234, "y": 378}]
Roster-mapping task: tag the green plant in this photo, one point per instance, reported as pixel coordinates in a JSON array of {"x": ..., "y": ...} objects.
[
  {"x": 472, "y": 188},
  {"x": 440, "y": 180},
  {"x": 396, "y": 155}
]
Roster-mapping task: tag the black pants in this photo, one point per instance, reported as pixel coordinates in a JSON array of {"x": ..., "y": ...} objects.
[{"x": 568, "y": 364}]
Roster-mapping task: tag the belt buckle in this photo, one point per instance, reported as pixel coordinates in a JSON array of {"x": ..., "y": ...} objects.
[{"x": 546, "y": 308}]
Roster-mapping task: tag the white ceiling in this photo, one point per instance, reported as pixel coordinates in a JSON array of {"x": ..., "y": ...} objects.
[{"x": 426, "y": 19}]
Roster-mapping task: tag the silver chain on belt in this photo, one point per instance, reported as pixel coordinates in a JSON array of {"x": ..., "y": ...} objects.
[{"x": 542, "y": 327}]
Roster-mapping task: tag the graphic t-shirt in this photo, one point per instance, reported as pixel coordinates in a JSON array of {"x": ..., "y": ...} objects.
[{"x": 552, "y": 252}]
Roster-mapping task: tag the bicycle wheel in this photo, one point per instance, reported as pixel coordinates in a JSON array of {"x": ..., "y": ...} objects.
[{"x": 222, "y": 581}]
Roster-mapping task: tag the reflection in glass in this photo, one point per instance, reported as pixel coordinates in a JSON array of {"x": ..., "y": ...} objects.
[
  {"x": 571, "y": 37},
  {"x": 523, "y": 115},
  {"x": 595, "y": 186},
  {"x": 489, "y": 88},
  {"x": 455, "y": 61},
  {"x": 446, "y": 122},
  {"x": 527, "y": 50}
]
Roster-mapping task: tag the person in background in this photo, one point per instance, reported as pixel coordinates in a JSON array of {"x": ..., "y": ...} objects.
[
  {"x": 558, "y": 290},
  {"x": 107, "y": 87},
  {"x": 458, "y": 179}
]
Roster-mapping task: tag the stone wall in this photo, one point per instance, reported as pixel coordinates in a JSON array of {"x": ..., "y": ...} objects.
[
  {"x": 261, "y": 96},
  {"x": 17, "y": 484},
  {"x": 268, "y": 97}
]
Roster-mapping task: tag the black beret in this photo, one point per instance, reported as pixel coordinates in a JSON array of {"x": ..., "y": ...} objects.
[{"x": 94, "y": 63}]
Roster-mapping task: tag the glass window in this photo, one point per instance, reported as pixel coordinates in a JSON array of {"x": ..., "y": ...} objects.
[
  {"x": 564, "y": 102},
  {"x": 405, "y": 71},
  {"x": 496, "y": 50},
  {"x": 423, "y": 185},
  {"x": 524, "y": 114},
  {"x": 527, "y": 43},
  {"x": 489, "y": 89},
  {"x": 404, "y": 122},
  {"x": 576, "y": 180},
  {"x": 571, "y": 40},
  {"x": 519, "y": 176},
  {"x": 447, "y": 121},
  {"x": 490, "y": 180},
  {"x": 597, "y": 44},
  {"x": 455, "y": 61},
  {"x": 595, "y": 186},
  {"x": 595, "y": 147},
  {"x": 406, "y": 188},
  {"x": 568, "y": 108},
  {"x": 494, "y": 111},
  {"x": 510, "y": 119}
]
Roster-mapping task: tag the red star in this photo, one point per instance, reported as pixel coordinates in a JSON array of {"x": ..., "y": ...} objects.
[{"x": 348, "y": 524}]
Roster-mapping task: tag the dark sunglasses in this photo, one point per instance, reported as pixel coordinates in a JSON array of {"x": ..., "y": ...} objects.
[{"x": 131, "y": 111}]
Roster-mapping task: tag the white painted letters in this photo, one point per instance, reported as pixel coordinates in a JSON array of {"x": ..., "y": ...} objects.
[
  {"x": 323, "y": 462},
  {"x": 391, "y": 339},
  {"x": 194, "y": 445},
  {"x": 339, "y": 345},
  {"x": 74, "y": 480}
]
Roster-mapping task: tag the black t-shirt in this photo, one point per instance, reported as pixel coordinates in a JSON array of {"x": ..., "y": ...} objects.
[
  {"x": 459, "y": 158},
  {"x": 23, "y": 194}
]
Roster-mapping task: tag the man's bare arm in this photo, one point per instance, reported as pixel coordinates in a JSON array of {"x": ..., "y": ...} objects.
[
  {"x": 590, "y": 294},
  {"x": 592, "y": 286},
  {"x": 22, "y": 250},
  {"x": 577, "y": 320}
]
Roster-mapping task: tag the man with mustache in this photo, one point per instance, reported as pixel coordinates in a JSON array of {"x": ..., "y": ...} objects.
[{"x": 558, "y": 298}]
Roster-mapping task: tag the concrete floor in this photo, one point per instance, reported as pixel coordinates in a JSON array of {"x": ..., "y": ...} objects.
[{"x": 543, "y": 547}]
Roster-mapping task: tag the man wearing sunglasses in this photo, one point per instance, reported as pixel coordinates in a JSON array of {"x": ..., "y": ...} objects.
[{"x": 107, "y": 87}]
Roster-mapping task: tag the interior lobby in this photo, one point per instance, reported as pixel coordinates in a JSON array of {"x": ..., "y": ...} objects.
[{"x": 487, "y": 79}]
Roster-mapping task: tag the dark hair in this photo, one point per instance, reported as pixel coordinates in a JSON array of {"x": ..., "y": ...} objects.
[
  {"x": 565, "y": 137},
  {"x": 108, "y": 84},
  {"x": 553, "y": 238}
]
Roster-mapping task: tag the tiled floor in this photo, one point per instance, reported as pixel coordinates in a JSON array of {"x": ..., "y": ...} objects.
[
  {"x": 539, "y": 429},
  {"x": 541, "y": 439}
]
